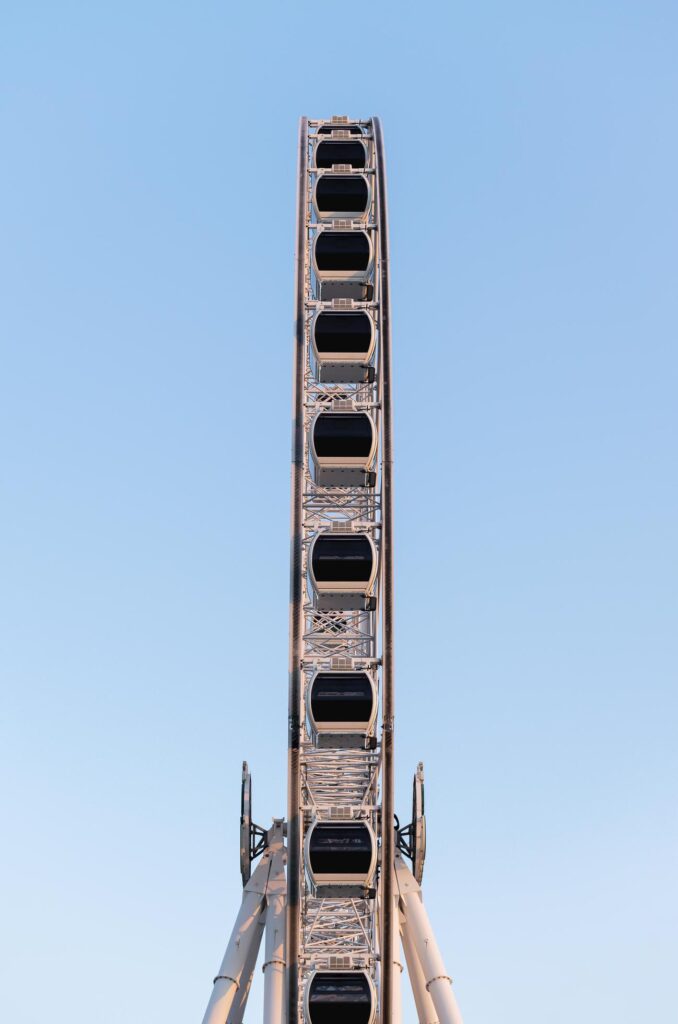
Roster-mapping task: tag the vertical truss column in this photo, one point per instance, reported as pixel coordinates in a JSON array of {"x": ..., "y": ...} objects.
[
  {"x": 294, "y": 825},
  {"x": 388, "y": 713}
]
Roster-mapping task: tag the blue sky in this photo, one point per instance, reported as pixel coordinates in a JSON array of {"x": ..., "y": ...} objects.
[{"x": 146, "y": 295}]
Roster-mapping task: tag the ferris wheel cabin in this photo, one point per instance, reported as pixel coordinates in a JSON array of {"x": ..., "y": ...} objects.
[
  {"x": 341, "y": 195},
  {"x": 340, "y": 997},
  {"x": 342, "y": 256},
  {"x": 343, "y": 345},
  {"x": 343, "y": 449},
  {"x": 340, "y": 152},
  {"x": 343, "y": 571},
  {"x": 342, "y": 709},
  {"x": 341, "y": 858}
]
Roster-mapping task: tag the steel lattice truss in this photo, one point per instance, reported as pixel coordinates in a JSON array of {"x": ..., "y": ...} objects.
[
  {"x": 338, "y": 783},
  {"x": 333, "y": 932}
]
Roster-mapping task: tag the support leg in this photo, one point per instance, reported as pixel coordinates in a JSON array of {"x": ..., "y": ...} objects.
[
  {"x": 240, "y": 1002},
  {"x": 418, "y": 933},
  {"x": 274, "y": 964},
  {"x": 426, "y": 1012},
  {"x": 275, "y": 1009},
  {"x": 396, "y": 999},
  {"x": 438, "y": 982},
  {"x": 246, "y": 934}
]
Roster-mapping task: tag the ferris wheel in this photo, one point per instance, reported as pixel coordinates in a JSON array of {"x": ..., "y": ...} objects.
[{"x": 332, "y": 891}]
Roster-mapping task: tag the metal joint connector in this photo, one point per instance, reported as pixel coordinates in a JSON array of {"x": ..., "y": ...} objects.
[
  {"x": 226, "y": 977},
  {"x": 438, "y": 977}
]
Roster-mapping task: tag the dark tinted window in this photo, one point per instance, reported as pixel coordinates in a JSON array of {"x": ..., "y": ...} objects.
[
  {"x": 327, "y": 129},
  {"x": 341, "y": 998},
  {"x": 340, "y": 849},
  {"x": 342, "y": 558},
  {"x": 341, "y": 193},
  {"x": 341, "y": 697},
  {"x": 338, "y": 434},
  {"x": 343, "y": 332},
  {"x": 335, "y": 152},
  {"x": 342, "y": 250}
]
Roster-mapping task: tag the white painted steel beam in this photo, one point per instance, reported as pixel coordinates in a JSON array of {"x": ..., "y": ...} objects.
[
  {"x": 242, "y": 946},
  {"x": 397, "y": 967},
  {"x": 275, "y": 1010},
  {"x": 239, "y": 1006},
  {"x": 418, "y": 937},
  {"x": 426, "y": 1011}
]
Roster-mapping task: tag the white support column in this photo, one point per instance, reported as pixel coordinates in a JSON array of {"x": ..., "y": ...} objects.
[
  {"x": 438, "y": 981},
  {"x": 245, "y": 936},
  {"x": 274, "y": 964},
  {"x": 426, "y": 1012},
  {"x": 240, "y": 1001},
  {"x": 275, "y": 1010},
  {"x": 418, "y": 929},
  {"x": 396, "y": 999}
]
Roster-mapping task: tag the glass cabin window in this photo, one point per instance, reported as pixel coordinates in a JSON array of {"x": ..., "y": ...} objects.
[
  {"x": 343, "y": 332},
  {"x": 341, "y": 697},
  {"x": 340, "y": 849},
  {"x": 339, "y": 152},
  {"x": 327, "y": 129},
  {"x": 341, "y": 194},
  {"x": 342, "y": 558},
  {"x": 342, "y": 250},
  {"x": 347, "y": 435},
  {"x": 340, "y": 998}
]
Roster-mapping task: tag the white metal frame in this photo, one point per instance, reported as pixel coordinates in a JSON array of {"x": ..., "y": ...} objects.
[
  {"x": 356, "y": 215},
  {"x": 324, "y": 363},
  {"x": 332, "y": 733},
  {"x": 352, "y": 465},
  {"x": 348, "y": 885},
  {"x": 307, "y": 992},
  {"x": 337, "y": 783}
]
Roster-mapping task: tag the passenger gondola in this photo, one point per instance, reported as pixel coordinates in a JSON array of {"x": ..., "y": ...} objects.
[
  {"x": 332, "y": 152},
  {"x": 342, "y": 346},
  {"x": 343, "y": 449},
  {"x": 340, "y": 997},
  {"x": 342, "y": 255},
  {"x": 341, "y": 195},
  {"x": 337, "y": 126},
  {"x": 343, "y": 571},
  {"x": 341, "y": 709},
  {"x": 341, "y": 858}
]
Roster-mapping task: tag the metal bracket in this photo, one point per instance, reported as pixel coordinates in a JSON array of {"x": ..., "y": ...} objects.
[
  {"x": 411, "y": 839},
  {"x": 253, "y": 838}
]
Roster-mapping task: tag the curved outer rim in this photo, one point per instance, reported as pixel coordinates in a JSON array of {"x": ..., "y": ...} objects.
[
  {"x": 363, "y": 359},
  {"x": 321, "y": 727},
  {"x": 339, "y": 215},
  {"x": 294, "y": 878},
  {"x": 369, "y": 875},
  {"x": 245, "y": 823},
  {"x": 294, "y": 823},
  {"x": 328, "y": 138},
  {"x": 418, "y": 823},
  {"x": 323, "y": 970},
  {"x": 365, "y": 588},
  {"x": 334, "y": 462},
  {"x": 387, "y": 599},
  {"x": 359, "y": 276}
]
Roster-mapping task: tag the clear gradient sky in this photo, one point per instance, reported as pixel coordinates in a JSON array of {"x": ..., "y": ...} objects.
[{"x": 147, "y": 185}]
